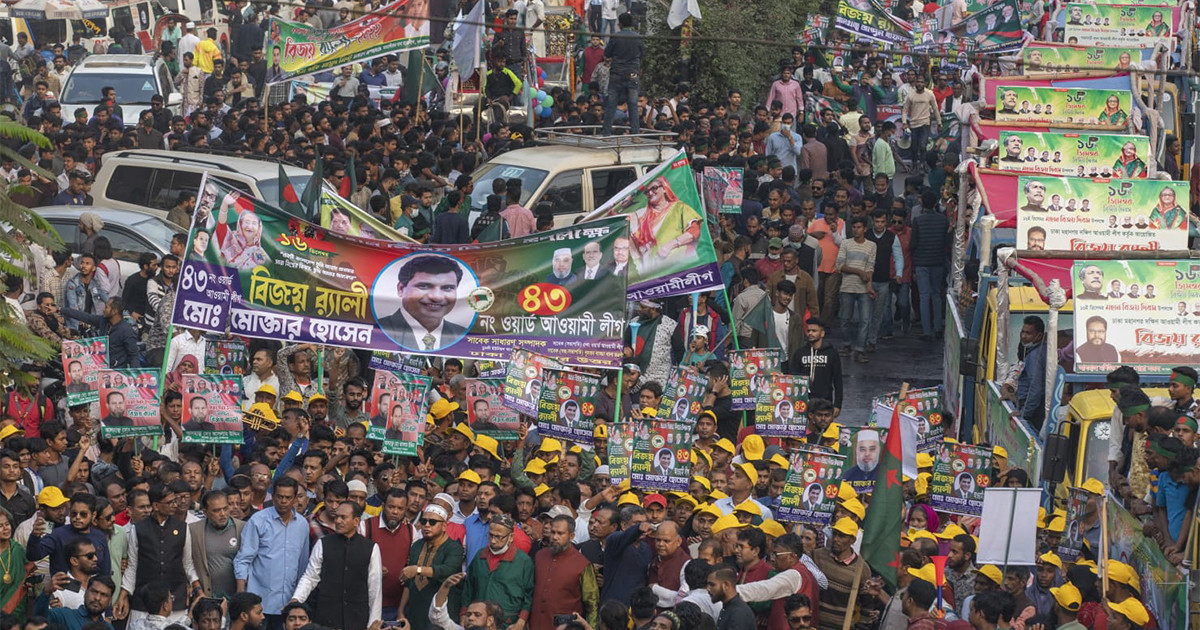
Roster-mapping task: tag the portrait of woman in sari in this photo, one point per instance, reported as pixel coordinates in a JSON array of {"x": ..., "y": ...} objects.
[
  {"x": 1168, "y": 214},
  {"x": 665, "y": 231},
  {"x": 241, "y": 247}
]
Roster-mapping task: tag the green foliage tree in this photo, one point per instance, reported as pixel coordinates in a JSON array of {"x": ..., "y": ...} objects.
[
  {"x": 21, "y": 228},
  {"x": 715, "y": 67}
]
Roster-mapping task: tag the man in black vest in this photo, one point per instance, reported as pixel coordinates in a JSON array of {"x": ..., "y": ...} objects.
[
  {"x": 889, "y": 269},
  {"x": 345, "y": 569},
  {"x": 159, "y": 551}
]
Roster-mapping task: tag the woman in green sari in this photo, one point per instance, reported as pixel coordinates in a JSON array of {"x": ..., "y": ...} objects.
[
  {"x": 665, "y": 232},
  {"x": 12, "y": 569}
]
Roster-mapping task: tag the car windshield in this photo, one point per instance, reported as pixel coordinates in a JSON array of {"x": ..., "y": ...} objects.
[
  {"x": 531, "y": 180},
  {"x": 156, "y": 230},
  {"x": 135, "y": 89}
]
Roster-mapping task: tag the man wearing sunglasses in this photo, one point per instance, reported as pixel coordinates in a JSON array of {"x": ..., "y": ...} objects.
[
  {"x": 82, "y": 511},
  {"x": 791, "y": 578},
  {"x": 434, "y": 558},
  {"x": 67, "y": 587}
]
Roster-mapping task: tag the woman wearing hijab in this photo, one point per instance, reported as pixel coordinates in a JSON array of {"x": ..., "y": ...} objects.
[
  {"x": 188, "y": 364},
  {"x": 90, "y": 225}
]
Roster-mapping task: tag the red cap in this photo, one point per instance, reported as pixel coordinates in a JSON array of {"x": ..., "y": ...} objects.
[{"x": 654, "y": 498}]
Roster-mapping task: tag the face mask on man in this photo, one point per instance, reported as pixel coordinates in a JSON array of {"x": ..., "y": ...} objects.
[{"x": 773, "y": 256}]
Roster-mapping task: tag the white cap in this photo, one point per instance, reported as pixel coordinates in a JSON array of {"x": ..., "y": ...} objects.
[
  {"x": 558, "y": 510},
  {"x": 700, "y": 331},
  {"x": 868, "y": 435},
  {"x": 357, "y": 485},
  {"x": 602, "y": 469},
  {"x": 190, "y": 25}
]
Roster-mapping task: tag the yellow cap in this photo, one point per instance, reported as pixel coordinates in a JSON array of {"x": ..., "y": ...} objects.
[
  {"x": 686, "y": 498},
  {"x": 550, "y": 445},
  {"x": 698, "y": 454},
  {"x": 707, "y": 508},
  {"x": 1133, "y": 610},
  {"x": 266, "y": 388},
  {"x": 462, "y": 428},
  {"x": 650, "y": 412},
  {"x": 600, "y": 432},
  {"x": 927, "y": 573},
  {"x": 924, "y": 460},
  {"x": 293, "y": 396},
  {"x": 950, "y": 440},
  {"x": 625, "y": 485},
  {"x": 992, "y": 572},
  {"x": 846, "y": 492},
  {"x": 749, "y": 505},
  {"x": 1000, "y": 451},
  {"x": 921, "y": 485},
  {"x": 1117, "y": 572},
  {"x": 489, "y": 445},
  {"x": 441, "y": 408},
  {"x": 753, "y": 447},
  {"x": 725, "y": 445},
  {"x": 920, "y": 534},
  {"x": 855, "y": 507},
  {"x": 1057, "y": 525},
  {"x": 471, "y": 476},
  {"x": 541, "y": 489},
  {"x": 717, "y": 495},
  {"x": 1090, "y": 564},
  {"x": 1093, "y": 485},
  {"x": 51, "y": 496},
  {"x": 846, "y": 526},
  {"x": 748, "y": 469},
  {"x": 703, "y": 481},
  {"x": 629, "y": 498},
  {"x": 772, "y": 528},
  {"x": 575, "y": 448},
  {"x": 1041, "y": 519},
  {"x": 833, "y": 431},
  {"x": 727, "y": 521},
  {"x": 950, "y": 531},
  {"x": 9, "y": 430},
  {"x": 1067, "y": 596},
  {"x": 777, "y": 458},
  {"x": 535, "y": 467},
  {"x": 1051, "y": 558},
  {"x": 314, "y": 398}
]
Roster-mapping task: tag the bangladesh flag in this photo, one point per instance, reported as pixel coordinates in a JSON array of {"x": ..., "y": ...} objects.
[
  {"x": 289, "y": 201},
  {"x": 885, "y": 517},
  {"x": 311, "y": 201}
]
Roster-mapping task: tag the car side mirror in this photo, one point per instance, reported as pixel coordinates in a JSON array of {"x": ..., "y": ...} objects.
[{"x": 174, "y": 99}]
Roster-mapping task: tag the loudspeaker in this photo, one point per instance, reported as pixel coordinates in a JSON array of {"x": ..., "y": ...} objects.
[{"x": 1056, "y": 457}]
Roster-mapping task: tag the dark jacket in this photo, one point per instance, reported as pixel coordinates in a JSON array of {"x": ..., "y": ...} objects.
[
  {"x": 626, "y": 563},
  {"x": 625, "y": 49},
  {"x": 450, "y": 228},
  {"x": 122, "y": 338},
  {"x": 823, "y": 366},
  {"x": 930, "y": 237}
]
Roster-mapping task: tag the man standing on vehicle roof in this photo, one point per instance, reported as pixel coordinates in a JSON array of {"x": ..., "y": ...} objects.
[{"x": 624, "y": 50}]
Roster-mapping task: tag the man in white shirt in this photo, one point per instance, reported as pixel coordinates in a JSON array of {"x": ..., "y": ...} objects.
[
  {"x": 393, "y": 77},
  {"x": 188, "y": 42},
  {"x": 262, "y": 372},
  {"x": 191, "y": 342}
]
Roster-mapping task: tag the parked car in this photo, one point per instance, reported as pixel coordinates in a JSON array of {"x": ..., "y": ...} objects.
[
  {"x": 131, "y": 232},
  {"x": 136, "y": 79}
]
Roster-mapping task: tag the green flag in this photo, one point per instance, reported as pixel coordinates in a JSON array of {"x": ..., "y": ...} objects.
[
  {"x": 885, "y": 517},
  {"x": 311, "y": 201},
  {"x": 491, "y": 233},
  {"x": 289, "y": 202},
  {"x": 759, "y": 316}
]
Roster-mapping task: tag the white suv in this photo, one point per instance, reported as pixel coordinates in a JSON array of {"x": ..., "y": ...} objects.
[{"x": 136, "y": 79}]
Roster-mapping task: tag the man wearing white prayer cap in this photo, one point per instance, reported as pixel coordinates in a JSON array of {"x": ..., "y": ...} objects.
[
  {"x": 560, "y": 272},
  {"x": 866, "y": 456}
]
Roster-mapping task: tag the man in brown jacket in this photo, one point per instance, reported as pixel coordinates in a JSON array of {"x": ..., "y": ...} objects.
[
  {"x": 215, "y": 542},
  {"x": 806, "y": 289}
]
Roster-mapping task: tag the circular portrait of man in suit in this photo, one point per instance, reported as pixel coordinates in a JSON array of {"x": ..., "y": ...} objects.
[{"x": 420, "y": 301}]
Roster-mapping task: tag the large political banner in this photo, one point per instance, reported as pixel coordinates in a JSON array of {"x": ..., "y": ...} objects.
[
  {"x": 225, "y": 356},
  {"x": 82, "y": 361},
  {"x": 682, "y": 396},
  {"x": 1119, "y": 25},
  {"x": 748, "y": 371},
  {"x": 1164, "y": 588},
  {"x": 781, "y": 408},
  {"x": 668, "y": 250},
  {"x": 1074, "y": 154},
  {"x": 811, "y": 487},
  {"x": 566, "y": 405},
  {"x": 1101, "y": 215},
  {"x": 212, "y": 410},
  {"x": 662, "y": 456},
  {"x": 523, "y": 380},
  {"x": 389, "y": 388},
  {"x": 1042, "y": 57},
  {"x": 405, "y": 431},
  {"x": 129, "y": 403},
  {"x": 961, "y": 472},
  {"x": 994, "y": 29},
  {"x": 296, "y": 49},
  {"x": 258, "y": 272},
  {"x": 1151, "y": 328},
  {"x": 486, "y": 412},
  {"x": 1071, "y": 544},
  {"x": 620, "y": 450},
  {"x": 870, "y": 22},
  {"x": 1038, "y": 105},
  {"x": 922, "y": 407}
]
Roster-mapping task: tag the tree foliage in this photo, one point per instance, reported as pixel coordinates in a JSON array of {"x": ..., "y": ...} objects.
[{"x": 713, "y": 68}]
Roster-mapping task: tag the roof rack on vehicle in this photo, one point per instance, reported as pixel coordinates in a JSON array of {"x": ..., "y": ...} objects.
[{"x": 663, "y": 141}]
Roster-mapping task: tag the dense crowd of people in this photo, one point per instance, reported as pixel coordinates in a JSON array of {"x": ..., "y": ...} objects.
[{"x": 309, "y": 525}]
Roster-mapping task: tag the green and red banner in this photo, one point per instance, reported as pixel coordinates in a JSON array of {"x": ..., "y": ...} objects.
[
  {"x": 961, "y": 472},
  {"x": 781, "y": 408},
  {"x": 212, "y": 409},
  {"x": 682, "y": 395},
  {"x": 523, "y": 380},
  {"x": 566, "y": 407},
  {"x": 129, "y": 403},
  {"x": 82, "y": 361},
  {"x": 811, "y": 488},
  {"x": 486, "y": 412},
  {"x": 406, "y": 417},
  {"x": 749, "y": 370},
  {"x": 885, "y": 516},
  {"x": 296, "y": 49},
  {"x": 662, "y": 455},
  {"x": 255, "y": 271}
]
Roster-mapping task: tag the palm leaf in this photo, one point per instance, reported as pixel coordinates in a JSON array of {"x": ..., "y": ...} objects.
[{"x": 23, "y": 161}]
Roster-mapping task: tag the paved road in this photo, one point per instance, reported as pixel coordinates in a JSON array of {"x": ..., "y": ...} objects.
[{"x": 905, "y": 358}]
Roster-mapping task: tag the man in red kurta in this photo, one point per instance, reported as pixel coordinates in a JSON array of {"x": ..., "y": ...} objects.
[
  {"x": 394, "y": 537},
  {"x": 791, "y": 577},
  {"x": 564, "y": 581}
]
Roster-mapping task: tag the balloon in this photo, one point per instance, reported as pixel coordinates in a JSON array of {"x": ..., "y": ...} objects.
[
  {"x": 548, "y": 101},
  {"x": 546, "y": 112},
  {"x": 541, "y": 82},
  {"x": 541, "y": 95},
  {"x": 487, "y": 137}
]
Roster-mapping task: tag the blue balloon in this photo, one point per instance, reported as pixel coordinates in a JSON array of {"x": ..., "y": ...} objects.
[
  {"x": 541, "y": 95},
  {"x": 546, "y": 111}
]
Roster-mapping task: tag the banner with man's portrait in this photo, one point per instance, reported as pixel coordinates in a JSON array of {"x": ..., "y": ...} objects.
[
  {"x": 722, "y": 189},
  {"x": 212, "y": 410},
  {"x": 1081, "y": 506},
  {"x": 523, "y": 380},
  {"x": 82, "y": 361},
  {"x": 811, "y": 488},
  {"x": 862, "y": 448},
  {"x": 669, "y": 250},
  {"x": 225, "y": 356},
  {"x": 1089, "y": 155},
  {"x": 405, "y": 431},
  {"x": 682, "y": 396},
  {"x": 486, "y": 412},
  {"x": 566, "y": 405},
  {"x": 923, "y": 408},
  {"x": 781, "y": 408},
  {"x": 129, "y": 403},
  {"x": 1046, "y": 57},
  {"x": 748, "y": 371},
  {"x": 1119, "y": 25},
  {"x": 961, "y": 472},
  {"x": 387, "y": 390},
  {"x": 1046, "y": 105},
  {"x": 1101, "y": 215},
  {"x": 662, "y": 456},
  {"x": 258, "y": 272},
  {"x": 620, "y": 449},
  {"x": 1152, "y": 331}
]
